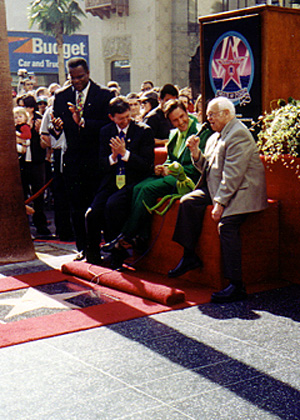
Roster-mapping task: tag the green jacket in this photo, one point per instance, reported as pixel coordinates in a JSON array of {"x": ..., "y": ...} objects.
[{"x": 185, "y": 157}]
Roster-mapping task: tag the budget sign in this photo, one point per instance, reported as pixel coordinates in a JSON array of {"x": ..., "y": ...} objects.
[{"x": 38, "y": 53}]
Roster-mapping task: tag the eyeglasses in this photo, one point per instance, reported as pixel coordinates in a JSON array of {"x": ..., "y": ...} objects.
[{"x": 212, "y": 114}]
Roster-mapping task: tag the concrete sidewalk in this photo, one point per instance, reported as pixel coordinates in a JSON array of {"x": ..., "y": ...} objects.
[{"x": 232, "y": 361}]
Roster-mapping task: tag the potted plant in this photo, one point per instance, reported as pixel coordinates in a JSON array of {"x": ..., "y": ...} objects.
[{"x": 279, "y": 133}]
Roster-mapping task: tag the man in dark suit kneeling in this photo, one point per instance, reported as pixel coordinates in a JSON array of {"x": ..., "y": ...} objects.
[{"x": 126, "y": 158}]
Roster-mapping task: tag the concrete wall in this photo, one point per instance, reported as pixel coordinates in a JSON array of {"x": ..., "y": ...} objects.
[
  {"x": 153, "y": 37},
  {"x": 143, "y": 37}
]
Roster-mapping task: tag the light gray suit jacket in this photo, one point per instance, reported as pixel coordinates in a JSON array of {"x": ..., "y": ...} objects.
[{"x": 235, "y": 175}]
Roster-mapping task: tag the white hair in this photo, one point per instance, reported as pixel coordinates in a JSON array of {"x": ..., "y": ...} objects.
[{"x": 223, "y": 103}]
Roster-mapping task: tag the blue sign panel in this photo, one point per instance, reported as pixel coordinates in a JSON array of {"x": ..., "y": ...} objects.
[
  {"x": 232, "y": 57},
  {"x": 37, "y": 53}
]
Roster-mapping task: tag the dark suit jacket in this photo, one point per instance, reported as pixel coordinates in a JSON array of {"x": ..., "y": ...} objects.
[
  {"x": 81, "y": 157},
  {"x": 140, "y": 143},
  {"x": 38, "y": 154},
  {"x": 160, "y": 125}
]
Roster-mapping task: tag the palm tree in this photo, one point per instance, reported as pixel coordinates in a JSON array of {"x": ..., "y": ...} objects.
[
  {"x": 15, "y": 240},
  {"x": 56, "y": 18}
]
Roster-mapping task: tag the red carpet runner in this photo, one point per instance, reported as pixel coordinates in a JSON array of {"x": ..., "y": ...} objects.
[
  {"x": 117, "y": 306},
  {"x": 125, "y": 282}
]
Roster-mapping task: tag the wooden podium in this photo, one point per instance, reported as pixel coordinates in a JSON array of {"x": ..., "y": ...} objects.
[{"x": 254, "y": 49}]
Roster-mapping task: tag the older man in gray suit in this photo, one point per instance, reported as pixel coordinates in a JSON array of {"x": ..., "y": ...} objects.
[{"x": 233, "y": 180}]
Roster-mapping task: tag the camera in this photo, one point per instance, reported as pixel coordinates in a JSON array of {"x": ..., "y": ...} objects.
[{"x": 22, "y": 73}]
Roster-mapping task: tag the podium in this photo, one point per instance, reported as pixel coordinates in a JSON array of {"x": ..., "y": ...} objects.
[{"x": 251, "y": 56}]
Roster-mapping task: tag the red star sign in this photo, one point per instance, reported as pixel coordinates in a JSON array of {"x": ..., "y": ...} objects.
[{"x": 231, "y": 65}]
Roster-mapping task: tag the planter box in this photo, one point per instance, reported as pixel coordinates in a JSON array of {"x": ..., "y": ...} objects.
[
  {"x": 260, "y": 252},
  {"x": 283, "y": 184}
]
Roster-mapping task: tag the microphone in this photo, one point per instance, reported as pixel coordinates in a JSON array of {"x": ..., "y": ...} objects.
[{"x": 204, "y": 127}]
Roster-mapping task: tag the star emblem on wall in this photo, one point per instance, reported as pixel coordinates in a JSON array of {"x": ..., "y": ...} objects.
[{"x": 229, "y": 67}]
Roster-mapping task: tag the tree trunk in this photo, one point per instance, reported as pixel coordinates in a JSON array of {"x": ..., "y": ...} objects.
[
  {"x": 60, "y": 59},
  {"x": 15, "y": 240}
]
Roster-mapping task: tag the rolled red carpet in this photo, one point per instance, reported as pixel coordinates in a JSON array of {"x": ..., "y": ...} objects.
[{"x": 125, "y": 282}]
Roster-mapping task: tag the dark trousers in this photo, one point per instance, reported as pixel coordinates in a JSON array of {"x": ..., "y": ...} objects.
[
  {"x": 108, "y": 213},
  {"x": 62, "y": 212},
  {"x": 80, "y": 192},
  {"x": 189, "y": 226},
  {"x": 231, "y": 247},
  {"x": 190, "y": 218}
]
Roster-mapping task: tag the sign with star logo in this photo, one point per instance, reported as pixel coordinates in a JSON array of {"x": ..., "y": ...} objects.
[
  {"x": 232, "y": 62},
  {"x": 232, "y": 68}
]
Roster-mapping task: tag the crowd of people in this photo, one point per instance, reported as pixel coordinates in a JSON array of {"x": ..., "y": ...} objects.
[{"x": 99, "y": 147}]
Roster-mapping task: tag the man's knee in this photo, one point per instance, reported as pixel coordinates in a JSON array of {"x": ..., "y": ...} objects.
[
  {"x": 148, "y": 190},
  {"x": 137, "y": 188},
  {"x": 187, "y": 198},
  {"x": 88, "y": 214},
  {"x": 91, "y": 215},
  {"x": 232, "y": 223}
]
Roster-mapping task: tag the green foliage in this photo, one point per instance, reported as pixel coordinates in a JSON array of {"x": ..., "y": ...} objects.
[
  {"x": 55, "y": 17},
  {"x": 280, "y": 131}
]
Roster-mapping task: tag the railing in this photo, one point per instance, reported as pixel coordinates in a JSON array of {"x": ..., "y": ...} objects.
[
  {"x": 240, "y": 4},
  {"x": 103, "y": 8}
]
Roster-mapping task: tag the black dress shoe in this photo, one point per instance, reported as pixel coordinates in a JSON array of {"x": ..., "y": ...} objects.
[
  {"x": 139, "y": 244},
  {"x": 43, "y": 231},
  {"x": 109, "y": 246},
  {"x": 185, "y": 264},
  {"x": 45, "y": 237},
  {"x": 93, "y": 258},
  {"x": 118, "y": 256},
  {"x": 65, "y": 238},
  {"x": 231, "y": 293}
]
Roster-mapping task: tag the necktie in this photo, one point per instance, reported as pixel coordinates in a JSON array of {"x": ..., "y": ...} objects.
[
  {"x": 121, "y": 177},
  {"x": 80, "y": 103}
]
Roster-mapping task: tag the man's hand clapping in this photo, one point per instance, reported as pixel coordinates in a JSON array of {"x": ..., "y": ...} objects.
[
  {"x": 75, "y": 113},
  {"x": 118, "y": 147}
]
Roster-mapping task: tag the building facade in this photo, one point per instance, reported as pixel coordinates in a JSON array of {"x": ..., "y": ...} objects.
[
  {"x": 127, "y": 40},
  {"x": 150, "y": 40}
]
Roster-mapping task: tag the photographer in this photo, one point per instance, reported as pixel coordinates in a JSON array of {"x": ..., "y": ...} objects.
[{"x": 26, "y": 82}]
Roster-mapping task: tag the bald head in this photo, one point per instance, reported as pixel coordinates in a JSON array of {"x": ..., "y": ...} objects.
[{"x": 219, "y": 112}]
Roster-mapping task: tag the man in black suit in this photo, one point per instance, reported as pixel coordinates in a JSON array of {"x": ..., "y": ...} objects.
[
  {"x": 81, "y": 110},
  {"x": 156, "y": 119},
  {"x": 126, "y": 158}
]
